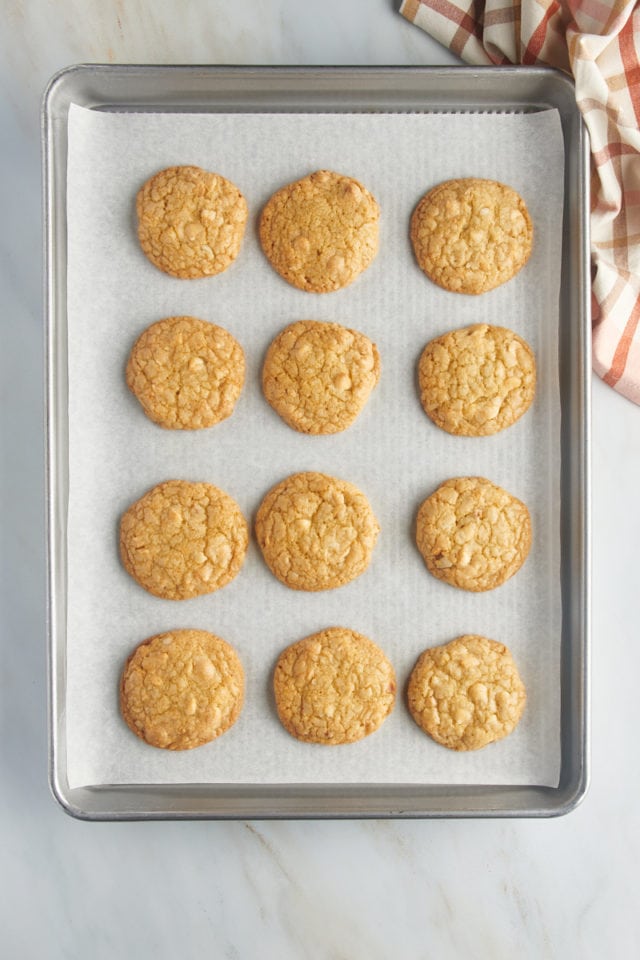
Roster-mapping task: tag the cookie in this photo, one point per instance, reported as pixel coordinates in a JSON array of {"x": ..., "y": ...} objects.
[
  {"x": 467, "y": 693},
  {"x": 333, "y": 687},
  {"x": 316, "y": 532},
  {"x": 320, "y": 232},
  {"x": 318, "y": 376},
  {"x": 181, "y": 689},
  {"x": 473, "y": 534},
  {"x": 190, "y": 222},
  {"x": 478, "y": 380},
  {"x": 186, "y": 373},
  {"x": 183, "y": 539},
  {"x": 471, "y": 235}
]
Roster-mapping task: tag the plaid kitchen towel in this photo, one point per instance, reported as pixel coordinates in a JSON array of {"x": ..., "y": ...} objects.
[{"x": 598, "y": 41}]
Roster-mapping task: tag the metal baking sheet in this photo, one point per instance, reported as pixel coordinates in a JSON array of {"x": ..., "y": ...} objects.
[{"x": 267, "y": 90}]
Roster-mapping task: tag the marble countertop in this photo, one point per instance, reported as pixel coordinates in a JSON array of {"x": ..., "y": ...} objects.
[{"x": 564, "y": 888}]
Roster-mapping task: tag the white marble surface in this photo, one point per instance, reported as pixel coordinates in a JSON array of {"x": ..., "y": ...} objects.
[{"x": 564, "y": 888}]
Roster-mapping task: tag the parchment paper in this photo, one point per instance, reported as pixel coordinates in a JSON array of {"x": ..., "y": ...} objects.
[{"x": 393, "y": 452}]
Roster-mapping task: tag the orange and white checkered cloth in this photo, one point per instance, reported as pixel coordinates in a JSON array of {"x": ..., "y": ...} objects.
[{"x": 598, "y": 41}]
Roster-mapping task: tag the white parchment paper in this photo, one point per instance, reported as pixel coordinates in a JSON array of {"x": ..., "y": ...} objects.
[{"x": 393, "y": 452}]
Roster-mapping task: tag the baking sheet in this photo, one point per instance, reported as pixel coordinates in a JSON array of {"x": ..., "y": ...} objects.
[{"x": 393, "y": 452}]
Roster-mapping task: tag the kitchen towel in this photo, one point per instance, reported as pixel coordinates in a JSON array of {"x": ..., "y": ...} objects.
[{"x": 598, "y": 42}]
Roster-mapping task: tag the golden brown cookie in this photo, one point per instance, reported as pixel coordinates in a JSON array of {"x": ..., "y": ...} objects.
[
  {"x": 334, "y": 687},
  {"x": 318, "y": 376},
  {"x": 320, "y": 232},
  {"x": 478, "y": 380},
  {"x": 471, "y": 235},
  {"x": 190, "y": 222},
  {"x": 186, "y": 373},
  {"x": 316, "y": 532},
  {"x": 467, "y": 693},
  {"x": 181, "y": 689},
  {"x": 473, "y": 534},
  {"x": 183, "y": 539}
]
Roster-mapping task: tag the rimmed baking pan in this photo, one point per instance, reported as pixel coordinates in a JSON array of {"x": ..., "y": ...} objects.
[{"x": 361, "y": 92}]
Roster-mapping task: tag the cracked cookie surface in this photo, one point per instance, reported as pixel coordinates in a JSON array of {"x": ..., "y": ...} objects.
[
  {"x": 316, "y": 532},
  {"x": 471, "y": 235},
  {"x": 473, "y": 534},
  {"x": 333, "y": 687},
  {"x": 318, "y": 376},
  {"x": 183, "y": 539},
  {"x": 467, "y": 693},
  {"x": 190, "y": 222},
  {"x": 320, "y": 232},
  {"x": 477, "y": 381},
  {"x": 186, "y": 373},
  {"x": 181, "y": 689}
]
